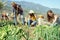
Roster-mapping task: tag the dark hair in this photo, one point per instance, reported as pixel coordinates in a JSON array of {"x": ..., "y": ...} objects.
[
  {"x": 50, "y": 19},
  {"x": 31, "y": 14},
  {"x": 15, "y": 6},
  {"x": 19, "y": 9}
]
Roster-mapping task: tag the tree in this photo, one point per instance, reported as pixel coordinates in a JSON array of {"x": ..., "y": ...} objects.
[{"x": 1, "y": 5}]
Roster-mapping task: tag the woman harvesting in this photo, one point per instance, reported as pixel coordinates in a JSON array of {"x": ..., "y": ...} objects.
[{"x": 52, "y": 18}]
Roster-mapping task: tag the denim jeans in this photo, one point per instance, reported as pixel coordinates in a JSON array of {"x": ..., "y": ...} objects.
[
  {"x": 22, "y": 19},
  {"x": 31, "y": 22}
]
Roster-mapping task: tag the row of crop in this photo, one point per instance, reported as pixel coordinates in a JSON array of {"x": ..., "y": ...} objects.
[
  {"x": 22, "y": 32},
  {"x": 11, "y": 32},
  {"x": 45, "y": 32}
]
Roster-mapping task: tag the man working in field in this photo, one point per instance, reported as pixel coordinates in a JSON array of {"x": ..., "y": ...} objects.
[{"x": 17, "y": 10}]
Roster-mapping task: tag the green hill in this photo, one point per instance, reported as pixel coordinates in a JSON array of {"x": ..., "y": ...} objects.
[{"x": 38, "y": 8}]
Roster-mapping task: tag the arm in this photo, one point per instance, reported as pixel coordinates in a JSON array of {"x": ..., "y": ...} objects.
[
  {"x": 13, "y": 10},
  {"x": 54, "y": 21}
]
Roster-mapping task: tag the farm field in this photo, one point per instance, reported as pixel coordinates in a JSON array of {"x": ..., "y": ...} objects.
[
  {"x": 22, "y": 32},
  {"x": 9, "y": 31}
]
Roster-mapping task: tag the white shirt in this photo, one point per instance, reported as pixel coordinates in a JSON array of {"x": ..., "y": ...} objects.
[{"x": 40, "y": 21}]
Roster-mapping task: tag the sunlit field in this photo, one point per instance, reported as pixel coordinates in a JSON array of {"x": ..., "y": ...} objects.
[{"x": 8, "y": 31}]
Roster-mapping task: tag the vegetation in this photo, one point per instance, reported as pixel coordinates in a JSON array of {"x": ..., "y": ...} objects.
[
  {"x": 44, "y": 32},
  {"x": 1, "y": 5},
  {"x": 11, "y": 32},
  {"x": 8, "y": 31}
]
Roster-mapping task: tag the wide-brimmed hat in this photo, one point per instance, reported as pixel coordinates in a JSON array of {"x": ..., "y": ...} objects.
[{"x": 31, "y": 11}]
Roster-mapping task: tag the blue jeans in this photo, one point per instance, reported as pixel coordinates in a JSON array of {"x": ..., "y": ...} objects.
[
  {"x": 22, "y": 19},
  {"x": 30, "y": 22}
]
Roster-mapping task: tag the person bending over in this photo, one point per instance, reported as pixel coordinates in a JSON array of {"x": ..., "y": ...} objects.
[
  {"x": 17, "y": 9},
  {"x": 52, "y": 18}
]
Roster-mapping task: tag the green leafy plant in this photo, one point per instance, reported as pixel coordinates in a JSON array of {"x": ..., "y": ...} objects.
[
  {"x": 22, "y": 32},
  {"x": 8, "y": 32},
  {"x": 45, "y": 32}
]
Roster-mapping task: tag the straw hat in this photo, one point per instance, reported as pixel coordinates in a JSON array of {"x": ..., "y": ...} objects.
[{"x": 31, "y": 11}]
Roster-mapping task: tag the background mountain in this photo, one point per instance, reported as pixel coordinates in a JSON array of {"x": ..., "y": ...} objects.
[{"x": 38, "y": 8}]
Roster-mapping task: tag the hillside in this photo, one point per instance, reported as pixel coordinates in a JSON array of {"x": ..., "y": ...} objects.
[{"x": 38, "y": 8}]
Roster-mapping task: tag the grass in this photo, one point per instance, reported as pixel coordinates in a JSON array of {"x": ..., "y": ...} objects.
[{"x": 22, "y": 32}]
